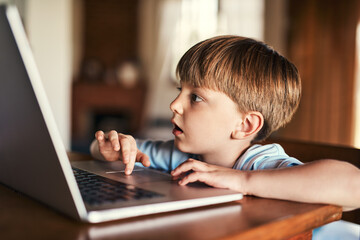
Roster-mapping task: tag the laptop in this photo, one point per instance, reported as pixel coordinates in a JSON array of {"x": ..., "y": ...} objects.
[{"x": 34, "y": 161}]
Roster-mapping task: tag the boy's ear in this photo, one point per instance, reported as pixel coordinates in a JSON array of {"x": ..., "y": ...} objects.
[{"x": 248, "y": 126}]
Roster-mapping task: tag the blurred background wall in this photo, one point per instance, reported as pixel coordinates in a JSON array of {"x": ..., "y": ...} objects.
[{"x": 110, "y": 64}]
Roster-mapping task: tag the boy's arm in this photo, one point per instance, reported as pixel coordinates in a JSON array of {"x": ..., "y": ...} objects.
[{"x": 322, "y": 181}]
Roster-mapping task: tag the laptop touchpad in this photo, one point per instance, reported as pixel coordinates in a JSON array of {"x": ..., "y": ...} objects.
[{"x": 140, "y": 175}]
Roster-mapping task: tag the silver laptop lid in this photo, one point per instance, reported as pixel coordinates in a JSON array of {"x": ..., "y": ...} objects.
[{"x": 33, "y": 159}]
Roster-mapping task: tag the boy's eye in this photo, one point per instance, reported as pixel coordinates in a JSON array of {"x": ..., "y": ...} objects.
[{"x": 196, "y": 98}]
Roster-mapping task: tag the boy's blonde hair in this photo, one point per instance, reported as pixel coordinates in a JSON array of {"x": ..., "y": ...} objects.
[{"x": 251, "y": 73}]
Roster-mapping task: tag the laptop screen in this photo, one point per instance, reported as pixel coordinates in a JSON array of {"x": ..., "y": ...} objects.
[{"x": 28, "y": 158}]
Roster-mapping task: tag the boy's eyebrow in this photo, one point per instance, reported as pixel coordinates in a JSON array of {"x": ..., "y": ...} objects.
[
  {"x": 203, "y": 89},
  {"x": 205, "y": 93}
]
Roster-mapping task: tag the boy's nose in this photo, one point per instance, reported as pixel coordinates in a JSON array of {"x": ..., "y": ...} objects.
[{"x": 176, "y": 106}]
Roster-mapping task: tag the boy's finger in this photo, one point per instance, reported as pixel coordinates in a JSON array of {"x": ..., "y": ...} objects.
[
  {"x": 129, "y": 167},
  {"x": 133, "y": 149},
  {"x": 188, "y": 165},
  {"x": 125, "y": 149},
  {"x": 194, "y": 177},
  {"x": 114, "y": 139},
  {"x": 178, "y": 177},
  {"x": 143, "y": 158},
  {"x": 100, "y": 137},
  {"x": 99, "y": 134},
  {"x": 184, "y": 167}
]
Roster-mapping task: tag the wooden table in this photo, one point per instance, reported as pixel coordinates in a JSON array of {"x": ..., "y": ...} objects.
[{"x": 250, "y": 218}]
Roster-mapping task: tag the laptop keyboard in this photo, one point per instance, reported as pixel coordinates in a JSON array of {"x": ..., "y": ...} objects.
[{"x": 98, "y": 190}]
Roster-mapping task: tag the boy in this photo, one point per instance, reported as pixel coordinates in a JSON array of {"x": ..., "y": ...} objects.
[{"x": 235, "y": 92}]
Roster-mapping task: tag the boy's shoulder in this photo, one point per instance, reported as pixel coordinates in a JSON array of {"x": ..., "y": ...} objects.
[
  {"x": 269, "y": 149},
  {"x": 268, "y": 156}
]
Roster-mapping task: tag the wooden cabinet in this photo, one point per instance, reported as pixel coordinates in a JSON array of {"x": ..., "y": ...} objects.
[
  {"x": 91, "y": 100},
  {"x": 110, "y": 36}
]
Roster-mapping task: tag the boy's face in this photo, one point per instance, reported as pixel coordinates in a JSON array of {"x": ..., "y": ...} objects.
[{"x": 203, "y": 120}]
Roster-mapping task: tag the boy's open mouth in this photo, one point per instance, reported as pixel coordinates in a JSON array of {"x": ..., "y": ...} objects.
[{"x": 177, "y": 131}]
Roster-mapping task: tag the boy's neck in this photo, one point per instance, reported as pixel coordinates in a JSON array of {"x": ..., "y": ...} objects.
[{"x": 227, "y": 156}]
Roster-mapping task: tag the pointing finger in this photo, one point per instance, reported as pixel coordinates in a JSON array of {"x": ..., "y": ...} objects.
[{"x": 114, "y": 139}]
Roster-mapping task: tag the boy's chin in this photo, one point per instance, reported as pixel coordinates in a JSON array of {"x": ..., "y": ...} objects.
[
  {"x": 181, "y": 146},
  {"x": 177, "y": 144}
]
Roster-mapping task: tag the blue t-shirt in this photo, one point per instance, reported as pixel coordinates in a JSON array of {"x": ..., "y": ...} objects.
[{"x": 165, "y": 156}]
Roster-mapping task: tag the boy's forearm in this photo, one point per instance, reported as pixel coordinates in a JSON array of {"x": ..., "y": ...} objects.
[{"x": 323, "y": 181}]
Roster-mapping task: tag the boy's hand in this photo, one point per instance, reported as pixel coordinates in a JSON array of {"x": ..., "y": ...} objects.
[
  {"x": 116, "y": 146},
  {"x": 216, "y": 176}
]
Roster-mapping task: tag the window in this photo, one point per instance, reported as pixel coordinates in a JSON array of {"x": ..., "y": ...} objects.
[{"x": 202, "y": 19}]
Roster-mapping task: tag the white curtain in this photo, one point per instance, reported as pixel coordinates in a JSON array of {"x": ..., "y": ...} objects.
[
  {"x": 158, "y": 19},
  {"x": 243, "y": 17}
]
